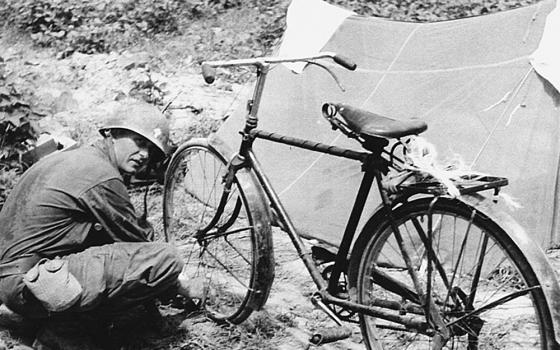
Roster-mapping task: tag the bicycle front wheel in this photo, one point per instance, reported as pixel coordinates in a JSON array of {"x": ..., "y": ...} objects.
[
  {"x": 229, "y": 248},
  {"x": 480, "y": 283}
]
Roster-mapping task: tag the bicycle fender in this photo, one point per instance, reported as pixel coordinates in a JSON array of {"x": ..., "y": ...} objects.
[
  {"x": 261, "y": 216},
  {"x": 535, "y": 255}
]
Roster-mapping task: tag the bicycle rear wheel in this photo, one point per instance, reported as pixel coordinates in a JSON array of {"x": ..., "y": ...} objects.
[
  {"x": 485, "y": 291},
  {"x": 230, "y": 251}
]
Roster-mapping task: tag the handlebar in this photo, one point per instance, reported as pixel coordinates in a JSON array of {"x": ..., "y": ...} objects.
[
  {"x": 209, "y": 67},
  {"x": 345, "y": 62}
]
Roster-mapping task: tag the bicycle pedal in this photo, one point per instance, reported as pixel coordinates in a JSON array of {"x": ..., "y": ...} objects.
[{"x": 330, "y": 334}]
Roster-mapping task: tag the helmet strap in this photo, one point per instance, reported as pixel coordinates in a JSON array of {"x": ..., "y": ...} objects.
[{"x": 109, "y": 142}]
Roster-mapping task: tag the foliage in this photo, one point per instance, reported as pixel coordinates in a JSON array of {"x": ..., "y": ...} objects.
[
  {"x": 428, "y": 10},
  {"x": 17, "y": 135},
  {"x": 94, "y": 26},
  {"x": 149, "y": 90},
  {"x": 8, "y": 178},
  {"x": 215, "y": 31},
  {"x": 16, "y": 130},
  {"x": 91, "y": 26}
]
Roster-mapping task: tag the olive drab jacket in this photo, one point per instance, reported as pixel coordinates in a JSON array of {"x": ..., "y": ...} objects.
[{"x": 68, "y": 202}]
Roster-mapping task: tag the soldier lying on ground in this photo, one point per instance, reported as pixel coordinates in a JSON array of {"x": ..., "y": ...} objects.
[{"x": 71, "y": 243}]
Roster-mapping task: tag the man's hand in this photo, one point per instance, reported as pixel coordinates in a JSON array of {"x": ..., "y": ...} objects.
[{"x": 193, "y": 288}]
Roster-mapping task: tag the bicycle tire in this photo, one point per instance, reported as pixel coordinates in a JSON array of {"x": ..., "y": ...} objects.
[
  {"x": 235, "y": 262},
  {"x": 521, "y": 323}
]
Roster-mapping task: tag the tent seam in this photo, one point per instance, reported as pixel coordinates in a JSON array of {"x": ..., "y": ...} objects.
[
  {"x": 533, "y": 19},
  {"x": 397, "y": 56},
  {"x": 445, "y": 70}
]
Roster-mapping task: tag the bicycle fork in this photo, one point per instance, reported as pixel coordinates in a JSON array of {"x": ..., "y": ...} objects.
[{"x": 235, "y": 164}]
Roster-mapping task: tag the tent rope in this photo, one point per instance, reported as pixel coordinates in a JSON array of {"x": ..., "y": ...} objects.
[{"x": 495, "y": 127}]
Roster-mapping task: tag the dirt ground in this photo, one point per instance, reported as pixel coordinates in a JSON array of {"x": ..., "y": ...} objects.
[{"x": 77, "y": 93}]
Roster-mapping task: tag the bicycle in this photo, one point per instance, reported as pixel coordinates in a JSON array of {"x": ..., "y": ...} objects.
[{"x": 428, "y": 270}]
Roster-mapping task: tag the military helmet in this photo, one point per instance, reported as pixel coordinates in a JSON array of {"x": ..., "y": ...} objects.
[{"x": 143, "y": 119}]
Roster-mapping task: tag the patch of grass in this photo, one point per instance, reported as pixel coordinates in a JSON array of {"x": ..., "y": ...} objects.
[
  {"x": 287, "y": 319},
  {"x": 260, "y": 331},
  {"x": 262, "y": 324}
]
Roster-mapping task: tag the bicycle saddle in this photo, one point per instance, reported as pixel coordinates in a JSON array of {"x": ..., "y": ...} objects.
[{"x": 375, "y": 125}]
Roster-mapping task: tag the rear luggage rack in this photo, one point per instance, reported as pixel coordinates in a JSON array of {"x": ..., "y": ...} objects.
[{"x": 466, "y": 184}]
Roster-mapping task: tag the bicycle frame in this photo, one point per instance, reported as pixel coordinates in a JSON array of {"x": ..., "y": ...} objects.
[{"x": 373, "y": 165}]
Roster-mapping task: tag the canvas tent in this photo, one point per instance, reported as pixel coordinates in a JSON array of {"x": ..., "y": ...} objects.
[{"x": 470, "y": 79}]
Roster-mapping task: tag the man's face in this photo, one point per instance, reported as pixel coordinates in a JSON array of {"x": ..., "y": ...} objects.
[{"x": 132, "y": 151}]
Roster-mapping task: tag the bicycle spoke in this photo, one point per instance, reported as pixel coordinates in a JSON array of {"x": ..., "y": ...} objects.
[
  {"x": 230, "y": 271},
  {"x": 217, "y": 234},
  {"x": 476, "y": 277},
  {"x": 459, "y": 257},
  {"x": 493, "y": 304},
  {"x": 212, "y": 189},
  {"x": 408, "y": 263},
  {"x": 237, "y": 250},
  {"x": 411, "y": 239},
  {"x": 424, "y": 239}
]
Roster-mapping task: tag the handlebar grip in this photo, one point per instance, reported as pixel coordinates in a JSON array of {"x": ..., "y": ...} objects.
[
  {"x": 209, "y": 73},
  {"x": 345, "y": 62}
]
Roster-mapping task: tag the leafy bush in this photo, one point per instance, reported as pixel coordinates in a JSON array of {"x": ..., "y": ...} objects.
[
  {"x": 148, "y": 90},
  {"x": 93, "y": 26},
  {"x": 17, "y": 136},
  {"x": 88, "y": 26},
  {"x": 8, "y": 178},
  {"x": 428, "y": 10},
  {"x": 17, "y": 133}
]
